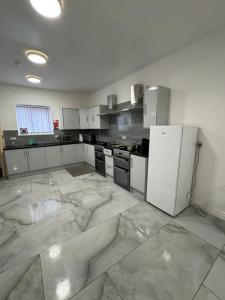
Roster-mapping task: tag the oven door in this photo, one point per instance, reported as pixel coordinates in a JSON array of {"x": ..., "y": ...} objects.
[
  {"x": 123, "y": 163},
  {"x": 122, "y": 177},
  {"x": 100, "y": 163}
]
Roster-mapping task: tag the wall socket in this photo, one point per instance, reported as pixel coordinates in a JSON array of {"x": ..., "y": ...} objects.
[{"x": 124, "y": 137}]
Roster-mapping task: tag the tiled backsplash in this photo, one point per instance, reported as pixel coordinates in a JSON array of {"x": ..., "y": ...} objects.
[{"x": 128, "y": 124}]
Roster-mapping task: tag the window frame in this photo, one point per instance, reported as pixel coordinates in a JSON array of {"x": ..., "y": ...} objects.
[{"x": 37, "y": 133}]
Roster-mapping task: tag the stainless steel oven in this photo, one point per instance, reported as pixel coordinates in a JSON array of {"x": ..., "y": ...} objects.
[
  {"x": 122, "y": 168},
  {"x": 99, "y": 159}
]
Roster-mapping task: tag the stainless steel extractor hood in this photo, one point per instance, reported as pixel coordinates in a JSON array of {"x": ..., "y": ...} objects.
[
  {"x": 136, "y": 100},
  {"x": 112, "y": 102}
]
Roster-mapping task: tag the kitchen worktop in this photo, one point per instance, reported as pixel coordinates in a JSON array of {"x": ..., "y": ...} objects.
[
  {"x": 15, "y": 147},
  {"x": 40, "y": 145}
]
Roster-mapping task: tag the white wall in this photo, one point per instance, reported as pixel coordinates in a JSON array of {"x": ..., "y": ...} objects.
[
  {"x": 10, "y": 95},
  {"x": 196, "y": 76}
]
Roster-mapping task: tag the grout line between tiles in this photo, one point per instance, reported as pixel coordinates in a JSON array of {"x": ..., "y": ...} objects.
[
  {"x": 114, "y": 285},
  {"x": 208, "y": 273}
]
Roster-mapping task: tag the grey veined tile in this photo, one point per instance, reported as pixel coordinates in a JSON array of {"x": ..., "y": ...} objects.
[
  {"x": 205, "y": 294},
  {"x": 100, "y": 289},
  {"x": 147, "y": 218},
  {"x": 216, "y": 277},
  {"x": 24, "y": 282},
  {"x": 207, "y": 227},
  {"x": 69, "y": 267},
  {"x": 170, "y": 265}
]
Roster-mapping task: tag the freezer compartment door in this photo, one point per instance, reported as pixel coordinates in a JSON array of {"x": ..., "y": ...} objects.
[{"x": 163, "y": 167}]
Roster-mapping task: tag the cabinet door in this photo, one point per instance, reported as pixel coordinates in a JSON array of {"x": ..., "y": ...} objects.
[
  {"x": 91, "y": 118},
  {"x": 70, "y": 118},
  {"x": 53, "y": 156},
  {"x": 37, "y": 159},
  {"x": 68, "y": 154},
  {"x": 97, "y": 120},
  {"x": 83, "y": 118},
  {"x": 16, "y": 161},
  {"x": 80, "y": 152},
  {"x": 150, "y": 107},
  {"x": 91, "y": 155},
  {"x": 86, "y": 153},
  {"x": 138, "y": 173},
  {"x": 109, "y": 165}
]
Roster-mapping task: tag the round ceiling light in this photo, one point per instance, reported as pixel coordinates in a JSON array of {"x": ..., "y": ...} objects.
[
  {"x": 36, "y": 56},
  {"x": 48, "y": 8},
  {"x": 33, "y": 79}
]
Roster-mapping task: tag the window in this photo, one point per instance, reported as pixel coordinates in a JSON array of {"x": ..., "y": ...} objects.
[{"x": 33, "y": 119}]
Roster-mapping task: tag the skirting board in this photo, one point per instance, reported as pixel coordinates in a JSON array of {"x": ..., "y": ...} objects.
[{"x": 213, "y": 211}]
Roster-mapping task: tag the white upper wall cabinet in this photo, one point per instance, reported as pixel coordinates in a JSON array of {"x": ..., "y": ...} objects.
[
  {"x": 83, "y": 112},
  {"x": 95, "y": 121},
  {"x": 71, "y": 119},
  {"x": 156, "y": 106}
]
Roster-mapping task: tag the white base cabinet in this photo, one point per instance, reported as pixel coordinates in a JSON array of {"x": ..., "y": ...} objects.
[
  {"x": 89, "y": 154},
  {"x": 109, "y": 165},
  {"x": 16, "y": 161},
  {"x": 37, "y": 159},
  {"x": 138, "y": 172},
  {"x": 68, "y": 154},
  {"x": 53, "y": 156},
  {"x": 79, "y": 149}
]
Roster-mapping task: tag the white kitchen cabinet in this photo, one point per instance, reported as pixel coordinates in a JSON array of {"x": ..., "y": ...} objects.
[
  {"x": 53, "y": 156},
  {"x": 95, "y": 121},
  {"x": 89, "y": 154},
  {"x": 109, "y": 165},
  {"x": 68, "y": 154},
  {"x": 138, "y": 172},
  {"x": 79, "y": 149},
  {"x": 83, "y": 113},
  {"x": 156, "y": 106},
  {"x": 16, "y": 161},
  {"x": 71, "y": 119},
  {"x": 37, "y": 159}
]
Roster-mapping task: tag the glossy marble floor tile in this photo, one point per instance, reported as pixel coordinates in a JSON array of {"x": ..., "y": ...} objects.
[
  {"x": 147, "y": 218},
  {"x": 205, "y": 294},
  {"x": 100, "y": 289},
  {"x": 80, "y": 260},
  {"x": 170, "y": 265},
  {"x": 24, "y": 282},
  {"x": 215, "y": 280},
  {"x": 207, "y": 227}
]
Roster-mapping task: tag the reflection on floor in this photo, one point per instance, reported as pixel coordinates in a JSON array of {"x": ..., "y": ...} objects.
[
  {"x": 65, "y": 237},
  {"x": 80, "y": 169}
]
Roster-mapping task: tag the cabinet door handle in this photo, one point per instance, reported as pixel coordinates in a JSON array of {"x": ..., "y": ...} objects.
[
  {"x": 131, "y": 163},
  {"x": 145, "y": 109}
]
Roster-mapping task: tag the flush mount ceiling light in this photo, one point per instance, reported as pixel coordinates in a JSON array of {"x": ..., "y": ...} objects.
[
  {"x": 33, "y": 79},
  {"x": 48, "y": 8},
  {"x": 36, "y": 56},
  {"x": 153, "y": 88}
]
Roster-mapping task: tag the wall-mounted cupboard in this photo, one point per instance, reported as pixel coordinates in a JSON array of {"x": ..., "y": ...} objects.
[
  {"x": 85, "y": 118},
  {"x": 156, "y": 106}
]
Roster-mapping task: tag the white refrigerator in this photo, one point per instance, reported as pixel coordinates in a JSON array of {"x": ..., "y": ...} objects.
[{"x": 170, "y": 168}]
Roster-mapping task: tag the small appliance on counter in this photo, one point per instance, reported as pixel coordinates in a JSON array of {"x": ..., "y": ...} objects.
[
  {"x": 90, "y": 138},
  {"x": 81, "y": 138}
]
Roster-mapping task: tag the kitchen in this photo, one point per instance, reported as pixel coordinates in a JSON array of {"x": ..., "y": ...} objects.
[{"x": 102, "y": 144}]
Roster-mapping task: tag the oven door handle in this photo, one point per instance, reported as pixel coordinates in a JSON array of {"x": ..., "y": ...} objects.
[
  {"x": 100, "y": 160},
  {"x": 121, "y": 169}
]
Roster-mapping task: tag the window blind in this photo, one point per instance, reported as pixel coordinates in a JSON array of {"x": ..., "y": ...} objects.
[{"x": 36, "y": 119}]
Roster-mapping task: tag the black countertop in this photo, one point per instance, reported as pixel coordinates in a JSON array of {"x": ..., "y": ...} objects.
[{"x": 16, "y": 147}]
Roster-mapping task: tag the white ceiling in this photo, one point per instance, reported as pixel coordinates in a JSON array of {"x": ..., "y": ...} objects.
[{"x": 96, "y": 42}]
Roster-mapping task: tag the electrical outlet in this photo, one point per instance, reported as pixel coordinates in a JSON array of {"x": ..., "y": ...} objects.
[{"x": 124, "y": 137}]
